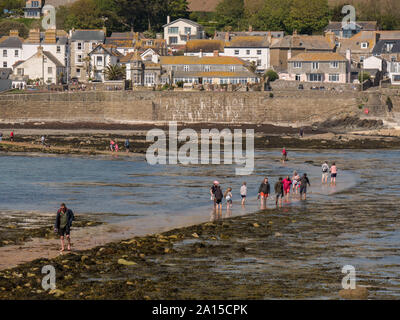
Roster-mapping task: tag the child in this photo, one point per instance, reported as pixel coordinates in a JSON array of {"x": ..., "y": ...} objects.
[
  {"x": 116, "y": 147},
  {"x": 325, "y": 171},
  {"x": 284, "y": 155},
  {"x": 228, "y": 197},
  {"x": 296, "y": 181},
  {"x": 303, "y": 187},
  {"x": 112, "y": 145},
  {"x": 243, "y": 193},
  {"x": 333, "y": 171},
  {"x": 279, "y": 191}
]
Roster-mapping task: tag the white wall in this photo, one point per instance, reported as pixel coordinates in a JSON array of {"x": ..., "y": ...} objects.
[
  {"x": 253, "y": 56},
  {"x": 29, "y": 49},
  {"x": 11, "y": 58},
  {"x": 195, "y": 32}
]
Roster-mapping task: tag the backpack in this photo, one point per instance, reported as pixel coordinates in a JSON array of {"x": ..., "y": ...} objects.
[{"x": 325, "y": 168}]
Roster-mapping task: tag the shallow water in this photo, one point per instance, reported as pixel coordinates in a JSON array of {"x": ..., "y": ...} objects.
[{"x": 354, "y": 223}]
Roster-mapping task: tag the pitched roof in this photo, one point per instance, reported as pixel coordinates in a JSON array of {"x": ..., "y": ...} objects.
[
  {"x": 318, "y": 57},
  {"x": 90, "y": 35},
  {"x": 110, "y": 49},
  {"x": 53, "y": 58},
  {"x": 354, "y": 43},
  {"x": 5, "y": 73},
  {"x": 122, "y": 39},
  {"x": 204, "y": 45},
  {"x": 380, "y": 47},
  {"x": 220, "y": 60},
  {"x": 248, "y": 42},
  {"x": 305, "y": 42},
  {"x": 215, "y": 74},
  {"x": 364, "y": 25},
  {"x": 184, "y": 20},
  {"x": 389, "y": 35},
  {"x": 10, "y": 42}
]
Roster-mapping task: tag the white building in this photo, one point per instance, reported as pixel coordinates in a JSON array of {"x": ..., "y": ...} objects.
[
  {"x": 254, "y": 49},
  {"x": 10, "y": 49},
  {"x": 53, "y": 41},
  {"x": 394, "y": 72},
  {"x": 101, "y": 57},
  {"x": 178, "y": 32},
  {"x": 375, "y": 63},
  {"x": 43, "y": 66}
]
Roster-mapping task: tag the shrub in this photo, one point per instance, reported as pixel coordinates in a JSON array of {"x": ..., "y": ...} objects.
[
  {"x": 271, "y": 75},
  {"x": 364, "y": 76}
]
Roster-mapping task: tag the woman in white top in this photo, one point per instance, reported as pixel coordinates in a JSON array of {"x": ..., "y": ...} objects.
[{"x": 243, "y": 193}]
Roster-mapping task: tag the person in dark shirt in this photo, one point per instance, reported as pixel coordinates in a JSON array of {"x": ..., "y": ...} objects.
[
  {"x": 263, "y": 192},
  {"x": 303, "y": 186},
  {"x": 63, "y": 225},
  {"x": 216, "y": 195},
  {"x": 279, "y": 191}
]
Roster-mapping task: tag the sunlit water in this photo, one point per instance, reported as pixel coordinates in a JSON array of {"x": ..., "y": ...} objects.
[{"x": 362, "y": 208}]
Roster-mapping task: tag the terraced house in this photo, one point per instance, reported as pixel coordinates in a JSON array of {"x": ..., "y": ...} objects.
[
  {"x": 82, "y": 42},
  {"x": 208, "y": 70},
  {"x": 10, "y": 49},
  {"x": 318, "y": 67}
]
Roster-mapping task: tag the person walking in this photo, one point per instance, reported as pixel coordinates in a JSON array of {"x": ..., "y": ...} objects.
[
  {"x": 284, "y": 155},
  {"x": 264, "y": 192},
  {"x": 12, "y": 136},
  {"x": 216, "y": 195},
  {"x": 112, "y": 145},
  {"x": 228, "y": 198},
  {"x": 325, "y": 172},
  {"x": 279, "y": 192},
  {"x": 243, "y": 193},
  {"x": 287, "y": 183},
  {"x": 303, "y": 186},
  {"x": 43, "y": 140},
  {"x": 333, "y": 171},
  {"x": 127, "y": 145},
  {"x": 63, "y": 225}
]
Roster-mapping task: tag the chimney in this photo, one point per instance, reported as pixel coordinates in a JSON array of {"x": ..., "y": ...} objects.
[
  {"x": 216, "y": 53},
  {"x": 348, "y": 55},
  {"x": 168, "y": 19},
  {"x": 34, "y": 36},
  {"x": 227, "y": 36},
  {"x": 294, "y": 32},
  {"x": 14, "y": 33},
  {"x": 39, "y": 51},
  {"x": 269, "y": 37},
  {"x": 201, "y": 53}
]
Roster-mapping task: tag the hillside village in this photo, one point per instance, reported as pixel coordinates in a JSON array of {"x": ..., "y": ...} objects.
[{"x": 184, "y": 56}]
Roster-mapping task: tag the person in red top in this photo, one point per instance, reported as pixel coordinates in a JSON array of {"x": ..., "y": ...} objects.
[
  {"x": 284, "y": 155},
  {"x": 286, "y": 187},
  {"x": 12, "y": 136}
]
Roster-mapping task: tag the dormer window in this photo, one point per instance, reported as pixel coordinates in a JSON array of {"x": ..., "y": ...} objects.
[
  {"x": 364, "y": 45},
  {"x": 389, "y": 46}
]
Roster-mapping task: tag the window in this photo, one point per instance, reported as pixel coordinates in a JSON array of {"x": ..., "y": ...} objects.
[
  {"x": 79, "y": 58},
  {"x": 298, "y": 77},
  {"x": 315, "y": 77},
  {"x": 364, "y": 45},
  {"x": 188, "y": 30},
  {"x": 58, "y": 49},
  {"x": 49, "y": 70},
  {"x": 149, "y": 78},
  {"x": 4, "y": 53},
  {"x": 207, "y": 68},
  {"x": 44, "y": 59},
  {"x": 186, "y": 68},
  {"x": 389, "y": 46},
  {"x": 247, "y": 51},
  {"x": 78, "y": 72},
  {"x": 20, "y": 71},
  {"x": 173, "y": 30},
  {"x": 362, "y": 58},
  {"x": 99, "y": 60},
  {"x": 4, "y": 64},
  {"x": 315, "y": 65},
  {"x": 297, "y": 65},
  {"x": 79, "y": 46},
  {"x": 16, "y": 53},
  {"x": 173, "y": 40},
  {"x": 333, "y": 77},
  {"x": 396, "y": 78},
  {"x": 232, "y": 68},
  {"x": 94, "y": 44},
  {"x": 236, "y": 52},
  {"x": 35, "y": 4},
  {"x": 259, "y": 63},
  {"x": 393, "y": 59},
  {"x": 334, "y": 64},
  {"x": 259, "y": 52}
]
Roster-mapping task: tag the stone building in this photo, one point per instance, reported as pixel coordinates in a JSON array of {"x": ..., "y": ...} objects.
[{"x": 318, "y": 67}]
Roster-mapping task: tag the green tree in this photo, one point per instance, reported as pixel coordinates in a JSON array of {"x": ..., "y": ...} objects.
[
  {"x": 230, "y": 13},
  {"x": 364, "y": 76},
  {"x": 272, "y": 15},
  {"x": 115, "y": 72},
  {"x": 307, "y": 16},
  {"x": 270, "y": 75},
  {"x": 7, "y": 25},
  {"x": 178, "y": 9},
  {"x": 12, "y": 5}
]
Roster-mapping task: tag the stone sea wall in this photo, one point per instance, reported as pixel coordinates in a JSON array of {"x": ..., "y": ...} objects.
[{"x": 296, "y": 108}]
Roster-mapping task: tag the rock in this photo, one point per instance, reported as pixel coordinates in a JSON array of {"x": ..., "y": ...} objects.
[
  {"x": 6, "y": 242},
  {"x": 174, "y": 236},
  {"x": 277, "y": 234},
  {"x": 167, "y": 250},
  {"x": 129, "y": 242},
  {"x": 39, "y": 291},
  {"x": 56, "y": 292},
  {"x": 270, "y": 222},
  {"x": 142, "y": 255},
  {"x": 256, "y": 225},
  {"x": 27, "y": 284},
  {"x": 195, "y": 235},
  {"x": 130, "y": 283},
  {"x": 224, "y": 237},
  {"x": 30, "y": 275},
  {"x": 83, "y": 258},
  {"x": 359, "y": 293},
  {"x": 147, "y": 298},
  {"x": 126, "y": 262},
  {"x": 11, "y": 226},
  {"x": 67, "y": 277}
]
